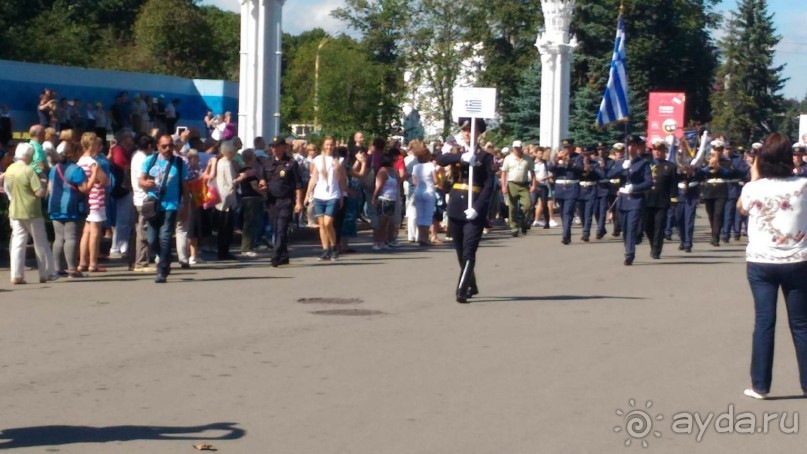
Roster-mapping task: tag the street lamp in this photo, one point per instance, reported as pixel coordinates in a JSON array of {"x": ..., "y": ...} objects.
[{"x": 316, "y": 82}]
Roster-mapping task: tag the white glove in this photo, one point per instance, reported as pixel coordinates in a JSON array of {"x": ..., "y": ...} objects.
[
  {"x": 471, "y": 214},
  {"x": 627, "y": 189},
  {"x": 469, "y": 157},
  {"x": 626, "y": 164}
]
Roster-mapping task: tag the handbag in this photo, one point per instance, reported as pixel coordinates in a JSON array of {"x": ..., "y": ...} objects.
[{"x": 151, "y": 205}]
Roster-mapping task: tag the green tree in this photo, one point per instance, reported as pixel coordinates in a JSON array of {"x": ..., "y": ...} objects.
[
  {"x": 437, "y": 48},
  {"x": 174, "y": 36},
  {"x": 748, "y": 101},
  {"x": 522, "y": 117},
  {"x": 224, "y": 55},
  {"x": 382, "y": 24},
  {"x": 582, "y": 118}
]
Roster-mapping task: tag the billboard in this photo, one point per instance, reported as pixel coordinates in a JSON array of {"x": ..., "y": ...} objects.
[{"x": 665, "y": 115}]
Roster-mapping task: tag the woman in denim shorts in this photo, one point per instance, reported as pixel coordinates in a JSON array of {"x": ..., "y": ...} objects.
[{"x": 384, "y": 197}]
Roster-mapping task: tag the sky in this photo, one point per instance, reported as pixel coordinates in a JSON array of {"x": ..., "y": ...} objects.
[{"x": 790, "y": 18}]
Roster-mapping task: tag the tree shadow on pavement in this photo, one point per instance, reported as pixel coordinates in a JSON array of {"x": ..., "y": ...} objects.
[
  {"x": 26, "y": 437},
  {"x": 504, "y": 299}
]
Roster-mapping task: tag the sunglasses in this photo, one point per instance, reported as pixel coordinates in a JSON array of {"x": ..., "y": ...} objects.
[{"x": 165, "y": 145}]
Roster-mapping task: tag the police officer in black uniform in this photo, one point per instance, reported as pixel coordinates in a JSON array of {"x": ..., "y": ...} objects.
[
  {"x": 466, "y": 224},
  {"x": 660, "y": 197},
  {"x": 283, "y": 181}
]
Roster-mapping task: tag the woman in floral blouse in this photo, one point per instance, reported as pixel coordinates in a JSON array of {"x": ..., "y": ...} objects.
[{"x": 776, "y": 203}]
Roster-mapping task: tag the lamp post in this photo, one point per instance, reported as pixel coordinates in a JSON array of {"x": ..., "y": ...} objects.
[{"x": 316, "y": 82}]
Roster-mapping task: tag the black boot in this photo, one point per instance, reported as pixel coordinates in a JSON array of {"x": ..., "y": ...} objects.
[{"x": 464, "y": 287}]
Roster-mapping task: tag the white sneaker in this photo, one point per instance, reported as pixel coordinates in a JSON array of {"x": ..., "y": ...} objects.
[
  {"x": 538, "y": 223},
  {"x": 250, "y": 254},
  {"x": 156, "y": 259},
  {"x": 377, "y": 248},
  {"x": 754, "y": 395},
  {"x": 576, "y": 221},
  {"x": 194, "y": 261},
  {"x": 552, "y": 223}
]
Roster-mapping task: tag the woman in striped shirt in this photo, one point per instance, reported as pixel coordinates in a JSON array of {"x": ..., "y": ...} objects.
[{"x": 93, "y": 227}]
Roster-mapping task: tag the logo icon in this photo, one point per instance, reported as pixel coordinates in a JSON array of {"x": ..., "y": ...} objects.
[{"x": 638, "y": 423}]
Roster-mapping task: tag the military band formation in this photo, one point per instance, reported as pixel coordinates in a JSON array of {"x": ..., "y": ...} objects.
[{"x": 648, "y": 192}]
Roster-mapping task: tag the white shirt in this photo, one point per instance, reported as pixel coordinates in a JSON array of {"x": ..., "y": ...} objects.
[
  {"x": 138, "y": 194},
  {"x": 423, "y": 177},
  {"x": 777, "y": 220},
  {"x": 541, "y": 172},
  {"x": 326, "y": 188}
]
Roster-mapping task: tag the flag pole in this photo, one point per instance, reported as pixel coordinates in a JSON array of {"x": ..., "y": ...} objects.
[{"x": 471, "y": 166}]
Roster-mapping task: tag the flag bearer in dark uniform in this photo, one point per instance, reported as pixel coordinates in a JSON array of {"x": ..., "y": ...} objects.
[
  {"x": 718, "y": 171},
  {"x": 616, "y": 182},
  {"x": 283, "y": 181},
  {"x": 603, "y": 199},
  {"x": 567, "y": 186},
  {"x": 660, "y": 197},
  {"x": 466, "y": 224},
  {"x": 590, "y": 176},
  {"x": 730, "y": 221},
  {"x": 635, "y": 172}
]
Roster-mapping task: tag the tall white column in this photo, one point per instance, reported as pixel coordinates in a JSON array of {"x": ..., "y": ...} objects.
[
  {"x": 556, "y": 46},
  {"x": 259, "y": 83}
]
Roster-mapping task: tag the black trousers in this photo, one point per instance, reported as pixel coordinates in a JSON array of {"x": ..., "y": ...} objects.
[
  {"x": 224, "y": 236},
  {"x": 655, "y": 220},
  {"x": 715, "y": 209},
  {"x": 280, "y": 215},
  {"x": 466, "y": 235}
]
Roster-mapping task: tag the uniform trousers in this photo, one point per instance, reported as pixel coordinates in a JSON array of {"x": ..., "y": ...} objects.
[
  {"x": 601, "y": 212},
  {"x": 466, "y": 236},
  {"x": 567, "y": 215},
  {"x": 685, "y": 213},
  {"x": 655, "y": 220},
  {"x": 672, "y": 221},
  {"x": 617, "y": 219},
  {"x": 587, "y": 213},
  {"x": 631, "y": 220},
  {"x": 715, "y": 209},
  {"x": 280, "y": 215},
  {"x": 730, "y": 221}
]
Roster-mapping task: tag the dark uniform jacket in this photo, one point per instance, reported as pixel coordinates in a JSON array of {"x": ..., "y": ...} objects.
[
  {"x": 282, "y": 176},
  {"x": 483, "y": 179},
  {"x": 568, "y": 171},
  {"x": 595, "y": 173},
  {"x": 638, "y": 176},
  {"x": 665, "y": 184},
  {"x": 717, "y": 190}
]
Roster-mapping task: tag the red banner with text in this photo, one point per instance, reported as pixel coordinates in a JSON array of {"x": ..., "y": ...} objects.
[{"x": 665, "y": 115}]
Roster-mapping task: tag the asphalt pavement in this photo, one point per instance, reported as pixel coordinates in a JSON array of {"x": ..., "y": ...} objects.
[{"x": 564, "y": 351}]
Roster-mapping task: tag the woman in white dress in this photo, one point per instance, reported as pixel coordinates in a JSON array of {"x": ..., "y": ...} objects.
[{"x": 424, "y": 175}]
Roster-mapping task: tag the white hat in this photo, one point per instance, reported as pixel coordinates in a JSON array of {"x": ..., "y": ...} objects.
[
  {"x": 756, "y": 146},
  {"x": 656, "y": 141},
  {"x": 506, "y": 150},
  {"x": 517, "y": 144},
  {"x": 717, "y": 143},
  {"x": 619, "y": 146}
]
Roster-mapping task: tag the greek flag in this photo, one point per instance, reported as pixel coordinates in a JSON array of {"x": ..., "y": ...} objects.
[{"x": 614, "y": 105}]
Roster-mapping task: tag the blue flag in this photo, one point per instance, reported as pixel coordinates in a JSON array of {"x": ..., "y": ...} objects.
[{"x": 614, "y": 105}]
